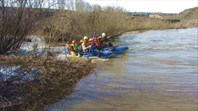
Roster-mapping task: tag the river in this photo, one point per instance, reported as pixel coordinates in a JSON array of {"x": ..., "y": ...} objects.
[{"x": 159, "y": 72}]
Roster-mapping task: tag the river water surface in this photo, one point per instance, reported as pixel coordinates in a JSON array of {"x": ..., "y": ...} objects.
[{"x": 159, "y": 72}]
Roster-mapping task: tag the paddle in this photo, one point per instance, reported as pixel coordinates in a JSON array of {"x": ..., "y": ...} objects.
[{"x": 94, "y": 35}]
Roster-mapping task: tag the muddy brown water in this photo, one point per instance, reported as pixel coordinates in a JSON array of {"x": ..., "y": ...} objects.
[{"x": 159, "y": 72}]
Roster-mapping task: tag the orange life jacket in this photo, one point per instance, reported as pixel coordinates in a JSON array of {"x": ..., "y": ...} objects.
[
  {"x": 94, "y": 42},
  {"x": 69, "y": 47}
]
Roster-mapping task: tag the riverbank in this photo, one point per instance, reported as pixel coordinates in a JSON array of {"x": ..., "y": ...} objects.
[
  {"x": 99, "y": 21},
  {"x": 133, "y": 25},
  {"x": 159, "y": 62},
  {"x": 55, "y": 80}
]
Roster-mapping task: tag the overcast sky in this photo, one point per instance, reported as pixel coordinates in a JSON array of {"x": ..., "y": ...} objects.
[{"x": 165, "y": 6}]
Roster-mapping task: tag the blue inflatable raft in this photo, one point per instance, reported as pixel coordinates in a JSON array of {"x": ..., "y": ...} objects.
[
  {"x": 106, "y": 53},
  {"x": 118, "y": 49}
]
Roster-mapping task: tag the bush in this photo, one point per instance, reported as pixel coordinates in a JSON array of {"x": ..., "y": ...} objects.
[
  {"x": 56, "y": 80},
  {"x": 80, "y": 23},
  {"x": 18, "y": 18}
]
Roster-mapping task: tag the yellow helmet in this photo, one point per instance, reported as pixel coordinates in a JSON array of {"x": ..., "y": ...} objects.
[
  {"x": 90, "y": 39},
  {"x": 81, "y": 41}
]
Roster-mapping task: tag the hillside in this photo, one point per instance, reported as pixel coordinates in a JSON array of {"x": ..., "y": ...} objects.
[
  {"x": 189, "y": 14},
  {"x": 188, "y": 17}
]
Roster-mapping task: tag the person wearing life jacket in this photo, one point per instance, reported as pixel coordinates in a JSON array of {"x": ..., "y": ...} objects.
[
  {"x": 85, "y": 45},
  {"x": 69, "y": 50},
  {"x": 69, "y": 47},
  {"x": 94, "y": 42},
  {"x": 74, "y": 46},
  {"x": 90, "y": 41},
  {"x": 80, "y": 50},
  {"x": 103, "y": 40}
]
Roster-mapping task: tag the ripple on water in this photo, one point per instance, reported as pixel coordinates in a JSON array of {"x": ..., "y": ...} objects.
[{"x": 159, "y": 72}]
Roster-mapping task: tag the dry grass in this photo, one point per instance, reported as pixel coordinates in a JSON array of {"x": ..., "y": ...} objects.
[
  {"x": 78, "y": 24},
  {"x": 56, "y": 80},
  {"x": 67, "y": 25}
]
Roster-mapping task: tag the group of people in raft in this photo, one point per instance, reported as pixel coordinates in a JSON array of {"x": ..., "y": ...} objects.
[{"x": 88, "y": 45}]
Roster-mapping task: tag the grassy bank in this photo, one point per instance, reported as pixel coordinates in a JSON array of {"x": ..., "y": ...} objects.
[
  {"x": 68, "y": 25},
  {"x": 56, "y": 80}
]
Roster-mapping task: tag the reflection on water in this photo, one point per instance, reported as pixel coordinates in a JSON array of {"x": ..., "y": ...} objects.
[{"x": 159, "y": 72}]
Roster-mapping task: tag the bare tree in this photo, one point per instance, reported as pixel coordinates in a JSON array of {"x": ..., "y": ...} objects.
[
  {"x": 61, "y": 4},
  {"x": 17, "y": 19}
]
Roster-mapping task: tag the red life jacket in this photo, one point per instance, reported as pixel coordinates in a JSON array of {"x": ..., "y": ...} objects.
[
  {"x": 94, "y": 42},
  {"x": 69, "y": 47}
]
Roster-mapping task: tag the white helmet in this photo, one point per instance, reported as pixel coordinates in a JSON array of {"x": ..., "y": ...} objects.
[
  {"x": 103, "y": 34},
  {"x": 85, "y": 37}
]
